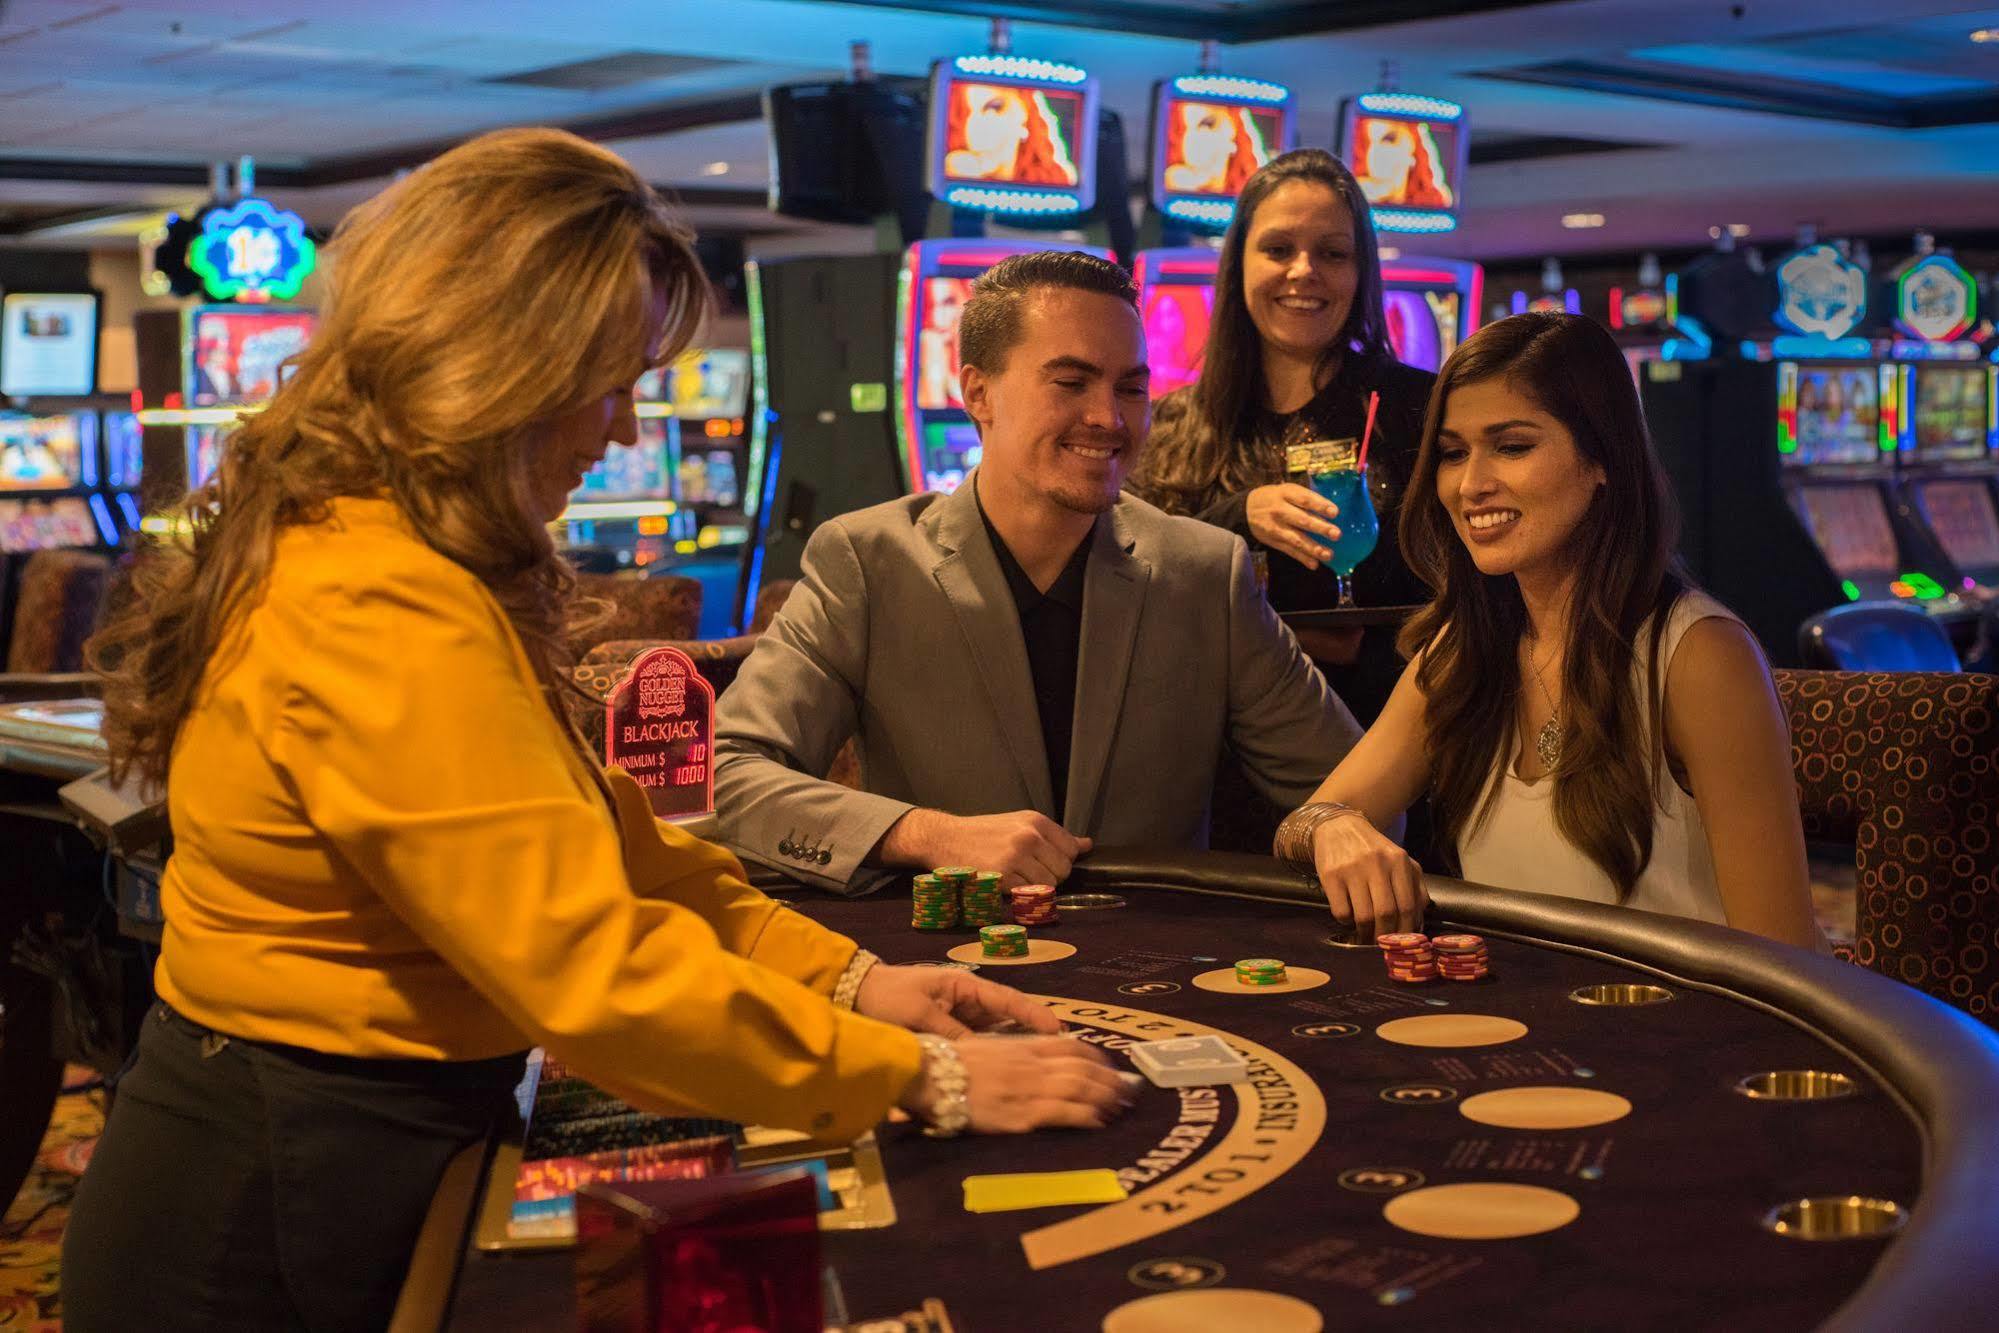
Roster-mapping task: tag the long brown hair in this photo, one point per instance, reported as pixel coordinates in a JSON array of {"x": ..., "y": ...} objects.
[
  {"x": 1220, "y": 451},
  {"x": 491, "y": 290},
  {"x": 1612, "y": 753}
]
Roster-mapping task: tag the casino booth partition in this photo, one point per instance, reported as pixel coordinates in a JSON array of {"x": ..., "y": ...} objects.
[{"x": 1732, "y": 1079}]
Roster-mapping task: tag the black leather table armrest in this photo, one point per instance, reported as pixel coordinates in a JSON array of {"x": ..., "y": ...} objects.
[{"x": 25, "y": 686}]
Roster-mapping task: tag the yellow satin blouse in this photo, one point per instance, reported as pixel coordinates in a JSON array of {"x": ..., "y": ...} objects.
[{"x": 385, "y": 846}]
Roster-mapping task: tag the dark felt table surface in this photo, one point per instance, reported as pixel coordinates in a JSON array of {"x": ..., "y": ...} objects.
[{"x": 1671, "y": 1196}]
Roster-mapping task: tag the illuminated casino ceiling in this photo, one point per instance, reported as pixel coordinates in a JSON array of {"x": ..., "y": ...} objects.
[{"x": 1666, "y": 117}]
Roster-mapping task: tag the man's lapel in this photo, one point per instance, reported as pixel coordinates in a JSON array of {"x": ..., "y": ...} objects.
[{"x": 970, "y": 575}]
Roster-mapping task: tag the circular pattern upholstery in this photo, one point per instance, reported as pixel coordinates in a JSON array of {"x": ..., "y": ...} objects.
[
  {"x": 665, "y": 606},
  {"x": 1905, "y": 766}
]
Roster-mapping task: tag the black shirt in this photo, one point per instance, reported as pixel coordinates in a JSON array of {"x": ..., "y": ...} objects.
[{"x": 1051, "y": 625}]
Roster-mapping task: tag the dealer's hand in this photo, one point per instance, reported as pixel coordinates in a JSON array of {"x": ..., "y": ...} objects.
[
  {"x": 1287, "y": 517},
  {"x": 947, "y": 1001},
  {"x": 1015, "y": 1084},
  {"x": 1369, "y": 881}
]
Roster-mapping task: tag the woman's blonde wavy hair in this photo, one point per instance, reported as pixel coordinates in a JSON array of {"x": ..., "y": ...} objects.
[{"x": 506, "y": 282}]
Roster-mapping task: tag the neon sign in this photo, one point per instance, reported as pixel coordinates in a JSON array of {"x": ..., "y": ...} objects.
[
  {"x": 1821, "y": 292},
  {"x": 660, "y": 728},
  {"x": 1935, "y": 299},
  {"x": 252, "y": 251}
]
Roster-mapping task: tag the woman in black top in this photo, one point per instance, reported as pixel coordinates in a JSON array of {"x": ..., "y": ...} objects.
[{"x": 1297, "y": 345}]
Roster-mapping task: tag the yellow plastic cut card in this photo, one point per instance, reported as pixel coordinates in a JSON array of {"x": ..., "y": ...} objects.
[{"x": 1040, "y": 1189}]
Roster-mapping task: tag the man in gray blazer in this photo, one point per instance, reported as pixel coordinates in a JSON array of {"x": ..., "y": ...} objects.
[{"x": 962, "y": 639}]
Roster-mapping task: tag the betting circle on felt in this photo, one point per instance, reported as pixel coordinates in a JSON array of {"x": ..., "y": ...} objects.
[
  {"x": 1481, "y": 1210},
  {"x": 1222, "y": 981},
  {"x": 1545, "y": 1108},
  {"x": 1451, "y": 1030},
  {"x": 1209, "y": 1308},
  {"x": 1038, "y": 951}
]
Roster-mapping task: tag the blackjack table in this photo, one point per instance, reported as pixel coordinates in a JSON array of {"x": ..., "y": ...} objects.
[{"x": 1629, "y": 1122}]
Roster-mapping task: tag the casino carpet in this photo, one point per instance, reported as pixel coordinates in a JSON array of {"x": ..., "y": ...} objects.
[{"x": 31, "y": 1235}]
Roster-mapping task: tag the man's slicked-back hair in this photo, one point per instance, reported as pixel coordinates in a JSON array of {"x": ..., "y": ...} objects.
[{"x": 990, "y": 324}]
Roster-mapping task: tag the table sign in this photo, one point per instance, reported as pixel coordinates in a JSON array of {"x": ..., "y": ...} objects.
[{"x": 659, "y": 727}]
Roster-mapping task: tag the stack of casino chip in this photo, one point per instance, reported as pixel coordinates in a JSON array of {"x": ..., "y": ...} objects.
[
  {"x": 1460, "y": 957},
  {"x": 1033, "y": 904},
  {"x": 935, "y": 904},
  {"x": 1409, "y": 955},
  {"x": 1003, "y": 941},
  {"x": 984, "y": 904},
  {"x": 1260, "y": 972}
]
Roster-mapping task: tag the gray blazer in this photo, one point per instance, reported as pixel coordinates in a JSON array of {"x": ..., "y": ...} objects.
[{"x": 903, "y": 634}]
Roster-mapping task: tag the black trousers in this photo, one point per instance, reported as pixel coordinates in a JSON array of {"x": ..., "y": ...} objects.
[{"x": 244, "y": 1185}]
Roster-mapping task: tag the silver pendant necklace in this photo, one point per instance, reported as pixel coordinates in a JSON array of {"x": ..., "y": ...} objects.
[{"x": 1548, "y": 740}]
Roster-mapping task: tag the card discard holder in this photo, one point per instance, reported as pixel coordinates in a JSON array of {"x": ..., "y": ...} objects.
[
  {"x": 1302, "y": 460},
  {"x": 569, "y": 1132}
]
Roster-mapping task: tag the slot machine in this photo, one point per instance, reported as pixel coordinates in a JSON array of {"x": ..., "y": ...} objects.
[
  {"x": 1782, "y": 451},
  {"x": 1947, "y": 437},
  {"x": 235, "y": 359},
  {"x": 673, "y": 500}
]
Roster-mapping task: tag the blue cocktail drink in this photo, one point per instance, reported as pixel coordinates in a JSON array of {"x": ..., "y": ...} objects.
[{"x": 1359, "y": 528}]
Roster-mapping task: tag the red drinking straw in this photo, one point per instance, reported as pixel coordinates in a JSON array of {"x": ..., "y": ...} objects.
[{"x": 1367, "y": 431}]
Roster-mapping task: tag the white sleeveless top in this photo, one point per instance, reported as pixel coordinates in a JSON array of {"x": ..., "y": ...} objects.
[{"x": 1519, "y": 847}]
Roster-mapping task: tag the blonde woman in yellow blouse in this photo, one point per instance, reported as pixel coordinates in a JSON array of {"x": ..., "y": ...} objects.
[{"x": 394, "y": 866}]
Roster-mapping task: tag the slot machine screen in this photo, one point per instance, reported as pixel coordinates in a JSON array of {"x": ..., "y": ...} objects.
[
  {"x": 1961, "y": 514},
  {"x": 713, "y": 382},
  {"x": 236, "y": 356},
  {"x": 1210, "y": 134},
  {"x": 38, "y": 525},
  {"x": 1422, "y": 325},
  {"x": 1012, "y": 135},
  {"x": 48, "y": 344},
  {"x": 640, "y": 470},
  {"x": 1176, "y": 332},
  {"x": 124, "y": 452},
  {"x": 950, "y": 450},
  {"x": 937, "y": 342},
  {"x": 1951, "y": 413},
  {"x": 204, "y": 454},
  {"x": 1838, "y": 414},
  {"x": 1852, "y": 528},
  {"x": 1408, "y": 154},
  {"x": 45, "y": 453}
]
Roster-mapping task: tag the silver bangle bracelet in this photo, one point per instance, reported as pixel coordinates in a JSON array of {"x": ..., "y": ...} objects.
[
  {"x": 1293, "y": 842},
  {"x": 950, "y": 1111},
  {"x": 848, "y": 989}
]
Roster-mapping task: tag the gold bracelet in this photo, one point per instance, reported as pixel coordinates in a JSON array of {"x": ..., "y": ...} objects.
[
  {"x": 1293, "y": 842},
  {"x": 849, "y": 988}
]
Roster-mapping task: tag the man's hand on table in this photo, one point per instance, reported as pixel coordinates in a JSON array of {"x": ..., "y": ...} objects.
[{"x": 1024, "y": 846}]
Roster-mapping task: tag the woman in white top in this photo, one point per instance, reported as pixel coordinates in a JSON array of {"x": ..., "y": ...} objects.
[{"x": 1585, "y": 721}]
